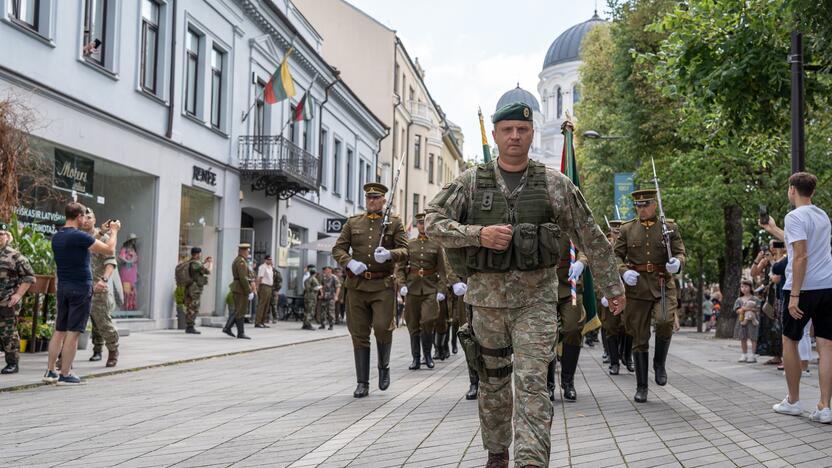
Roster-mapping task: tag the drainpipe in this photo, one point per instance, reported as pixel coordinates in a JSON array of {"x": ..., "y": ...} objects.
[
  {"x": 378, "y": 146},
  {"x": 321, "y": 131},
  {"x": 171, "y": 87}
]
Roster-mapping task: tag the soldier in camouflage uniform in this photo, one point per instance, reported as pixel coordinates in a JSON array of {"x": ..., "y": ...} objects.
[
  {"x": 199, "y": 272},
  {"x": 242, "y": 289},
  {"x": 104, "y": 331},
  {"x": 424, "y": 280},
  {"x": 500, "y": 224},
  {"x": 16, "y": 276},
  {"x": 644, "y": 265},
  {"x": 311, "y": 291},
  {"x": 329, "y": 293},
  {"x": 370, "y": 285},
  {"x": 572, "y": 319}
]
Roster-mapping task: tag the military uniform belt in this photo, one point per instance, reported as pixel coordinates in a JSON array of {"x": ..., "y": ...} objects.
[
  {"x": 422, "y": 271},
  {"x": 369, "y": 275},
  {"x": 647, "y": 267}
]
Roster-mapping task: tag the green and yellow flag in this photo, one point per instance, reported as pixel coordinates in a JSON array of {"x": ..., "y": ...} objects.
[
  {"x": 486, "y": 150},
  {"x": 280, "y": 85}
]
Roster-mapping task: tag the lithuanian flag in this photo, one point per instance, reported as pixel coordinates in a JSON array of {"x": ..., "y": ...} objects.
[
  {"x": 569, "y": 167},
  {"x": 280, "y": 85},
  {"x": 486, "y": 150}
]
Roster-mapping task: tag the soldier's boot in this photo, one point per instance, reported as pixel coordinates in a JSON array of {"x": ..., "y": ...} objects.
[
  {"x": 241, "y": 333},
  {"x": 446, "y": 348},
  {"x": 227, "y": 328},
  {"x": 474, "y": 386},
  {"x": 612, "y": 342},
  {"x": 550, "y": 379},
  {"x": 427, "y": 343},
  {"x": 497, "y": 460},
  {"x": 11, "y": 366},
  {"x": 96, "y": 354},
  {"x": 323, "y": 325},
  {"x": 454, "y": 331},
  {"x": 605, "y": 358},
  {"x": 362, "y": 372},
  {"x": 625, "y": 352},
  {"x": 568, "y": 365},
  {"x": 112, "y": 358},
  {"x": 659, "y": 359},
  {"x": 437, "y": 342},
  {"x": 384, "y": 364},
  {"x": 416, "y": 352},
  {"x": 193, "y": 331},
  {"x": 640, "y": 359}
]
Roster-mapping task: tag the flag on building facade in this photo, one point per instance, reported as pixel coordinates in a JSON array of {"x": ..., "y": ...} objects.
[
  {"x": 486, "y": 150},
  {"x": 280, "y": 85},
  {"x": 304, "y": 109},
  {"x": 569, "y": 167}
]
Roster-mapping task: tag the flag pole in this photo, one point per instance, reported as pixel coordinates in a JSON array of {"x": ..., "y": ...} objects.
[
  {"x": 486, "y": 150},
  {"x": 292, "y": 117}
]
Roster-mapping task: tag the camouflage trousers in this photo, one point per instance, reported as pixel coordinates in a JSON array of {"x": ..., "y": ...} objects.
[
  {"x": 531, "y": 332},
  {"x": 310, "y": 304},
  {"x": 9, "y": 339},
  {"x": 103, "y": 329},
  {"x": 327, "y": 312},
  {"x": 192, "y": 304}
]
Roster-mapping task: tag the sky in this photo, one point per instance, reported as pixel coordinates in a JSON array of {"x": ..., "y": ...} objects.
[{"x": 473, "y": 51}]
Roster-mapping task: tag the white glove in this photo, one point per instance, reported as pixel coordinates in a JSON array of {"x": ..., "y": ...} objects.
[
  {"x": 460, "y": 288},
  {"x": 575, "y": 270},
  {"x": 673, "y": 266},
  {"x": 403, "y": 291},
  {"x": 382, "y": 255},
  {"x": 251, "y": 296},
  {"x": 605, "y": 302},
  {"x": 630, "y": 277},
  {"x": 356, "y": 267},
  {"x": 440, "y": 297}
]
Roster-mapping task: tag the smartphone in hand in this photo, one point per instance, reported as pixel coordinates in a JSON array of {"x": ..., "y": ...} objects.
[{"x": 764, "y": 214}]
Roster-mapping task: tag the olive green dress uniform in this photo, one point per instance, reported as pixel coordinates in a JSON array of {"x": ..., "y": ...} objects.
[
  {"x": 425, "y": 274},
  {"x": 458, "y": 318},
  {"x": 14, "y": 271},
  {"x": 442, "y": 327},
  {"x": 241, "y": 286},
  {"x": 514, "y": 292},
  {"x": 618, "y": 343},
  {"x": 370, "y": 296},
  {"x": 103, "y": 304},
  {"x": 640, "y": 247}
]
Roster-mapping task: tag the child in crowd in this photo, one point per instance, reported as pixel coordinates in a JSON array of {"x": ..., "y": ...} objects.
[{"x": 747, "y": 307}]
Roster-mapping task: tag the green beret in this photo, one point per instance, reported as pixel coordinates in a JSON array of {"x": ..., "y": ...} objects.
[{"x": 513, "y": 111}]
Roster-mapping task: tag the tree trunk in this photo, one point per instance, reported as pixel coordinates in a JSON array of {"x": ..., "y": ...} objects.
[
  {"x": 700, "y": 291},
  {"x": 732, "y": 217}
]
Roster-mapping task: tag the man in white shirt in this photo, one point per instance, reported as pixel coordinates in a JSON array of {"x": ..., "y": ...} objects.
[
  {"x": 808, "y": 287},
  {"x": 265, "y": 280}
]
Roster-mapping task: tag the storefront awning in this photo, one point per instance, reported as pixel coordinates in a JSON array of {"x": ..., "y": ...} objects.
[{"x": 325, "y": 244}]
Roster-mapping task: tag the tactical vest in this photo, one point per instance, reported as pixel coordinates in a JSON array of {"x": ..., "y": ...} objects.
[{"x": 535, "y": 238}]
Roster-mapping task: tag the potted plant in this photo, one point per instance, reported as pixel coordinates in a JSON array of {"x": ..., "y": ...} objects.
[
  {"x": 179, "y": 299},
  {"x": 37, "y": 248},
  {"x": 24, "y": 329},
  {"x": 44, "y": 333}
]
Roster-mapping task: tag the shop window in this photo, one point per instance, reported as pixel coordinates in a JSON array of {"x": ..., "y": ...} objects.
[
  {"x": 192, "y": 60},
  {"x": 150, "y": 46},
  {"x": 217, "y": 80},
  {"x": 198, "y": 228},
  {"x": 296, "y": 261}
]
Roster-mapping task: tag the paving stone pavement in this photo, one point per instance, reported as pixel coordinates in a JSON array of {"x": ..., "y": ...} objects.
[{"x": 293, "y": 406}]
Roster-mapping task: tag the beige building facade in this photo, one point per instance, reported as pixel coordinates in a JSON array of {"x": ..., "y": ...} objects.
[{"x": 374, "y": 62}]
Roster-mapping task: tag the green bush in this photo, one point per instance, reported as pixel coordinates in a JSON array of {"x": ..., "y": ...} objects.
[
  {"x": 179, "y": 295},
  {"x": 34, "y": 246},
  {"x": 45, "y": 331},
  {"x": 24, "y": 329}
]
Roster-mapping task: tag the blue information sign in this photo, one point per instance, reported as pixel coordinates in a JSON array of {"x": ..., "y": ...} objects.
[{"x": 624, "y": 186}]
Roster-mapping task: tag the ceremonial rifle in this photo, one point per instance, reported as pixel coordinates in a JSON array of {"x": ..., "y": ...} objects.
[
  {"x": 665, "y": 238},
  {"x": 386, "y": 219},
  {"x": 608, "y": 223}
]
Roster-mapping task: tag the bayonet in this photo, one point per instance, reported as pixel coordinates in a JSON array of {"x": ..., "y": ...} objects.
[
  {"x": 665, "y": 238},
  {"x": 385, "y": 221}
]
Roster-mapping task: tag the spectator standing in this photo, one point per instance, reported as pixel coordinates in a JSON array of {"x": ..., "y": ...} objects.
[
  {"x": 265, "y": 283},
  {"x": 747, "y": 308},
  {"x": 808, "y": 286},
  {"x": 770, "y": 340},
  {"x": 72, "y": 247}
]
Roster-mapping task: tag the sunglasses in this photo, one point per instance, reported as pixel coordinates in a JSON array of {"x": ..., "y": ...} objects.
[{"x": 641, "y": 204}]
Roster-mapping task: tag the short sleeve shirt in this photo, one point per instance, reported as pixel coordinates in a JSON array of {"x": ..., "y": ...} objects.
[
  {"x": 72, "y": 257},
  {"x": 811, "y": 224}
]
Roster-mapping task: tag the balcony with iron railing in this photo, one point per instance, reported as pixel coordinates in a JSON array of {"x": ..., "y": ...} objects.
[
  {"x": 420, "y": 113},
  {"x": 276, "y": 165}
]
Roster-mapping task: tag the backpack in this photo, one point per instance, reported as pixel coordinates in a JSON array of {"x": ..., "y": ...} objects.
[{"x": 183, "y": 274}]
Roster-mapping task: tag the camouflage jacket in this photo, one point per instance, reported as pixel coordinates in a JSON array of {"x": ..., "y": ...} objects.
[
  {"x": 330, "y": 287},
  {"x": 514, "y": 288},
  {"x": 98, "y": 262},
  {"x": 14, "y": 271},
  {"x": 311, "y": 287}
]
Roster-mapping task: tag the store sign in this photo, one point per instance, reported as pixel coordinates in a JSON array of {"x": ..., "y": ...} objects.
[
  {"x": 204, "y": 178},
  {"x": 335, "y": 225},
  {"x": 73, "y": 172}
]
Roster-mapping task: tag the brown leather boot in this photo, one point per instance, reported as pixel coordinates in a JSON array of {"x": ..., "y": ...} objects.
[
  {"x": 112, "y": 358},
  {"x": 497, "y": 460}
]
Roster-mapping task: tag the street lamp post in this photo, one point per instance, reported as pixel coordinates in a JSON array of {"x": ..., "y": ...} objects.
[
  {"x": 798, "y": 134},
  {"x": 593, "y": 135}
]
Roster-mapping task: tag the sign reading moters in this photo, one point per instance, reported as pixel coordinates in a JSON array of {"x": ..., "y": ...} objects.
[
  {"x": 335, "y": 225},
  {"x": 73, "y": 172},
  {"x": 204, "y": 178}
]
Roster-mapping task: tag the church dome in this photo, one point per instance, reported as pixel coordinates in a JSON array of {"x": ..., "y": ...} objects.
[
  {"x": 566, "y": 47},
  {"x": 519, "y": 94}
]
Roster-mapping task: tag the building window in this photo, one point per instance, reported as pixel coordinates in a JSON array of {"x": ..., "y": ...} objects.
[
  {"x": 95, "y": 31},
  {"x": 260, "y": 126},
  {"x": 412, "y": 94},
  {"x": 293, "y": 125},
  {"x": 350, "y": 175},
  {"x": 192, "y": 72},
  {"x": 150, "y": 44},
  {"x": 217, "y": 58},
  {"x": 441, "y": 174},
  {"x": 323, "y": 158},
  {"x": 417, "y": 152},
  {"x": 361, "y": 176},
  {"x": 396, "y": 77},
  {"x": 26, "y": 13},
  {"x": 576, "y": 96},
  {"x": 336, "y": 167},
  {"x": 560, "y": 102},
  {"x": 430, "y": 168},
  {"x": 368, "y": 176},
  {"x": 415, "y": 206}
]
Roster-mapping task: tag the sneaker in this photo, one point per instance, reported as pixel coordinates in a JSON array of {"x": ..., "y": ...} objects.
[
  {"x": 822, "y": 416},
  {"x": 70, "y": 380},
  {"x": 784, "y": 407},
  {"x": 743, "y": 358},
  {"x": 806, "y": 373},
  {"x": 751, "y": 358},
  {"x": 50, "y": 377}
]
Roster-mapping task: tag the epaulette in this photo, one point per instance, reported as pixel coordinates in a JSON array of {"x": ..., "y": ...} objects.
[
  {"x": 670, "y": 220},
  {"x": 628, "y": 222},
  {"x": 357, "y": 215}
]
